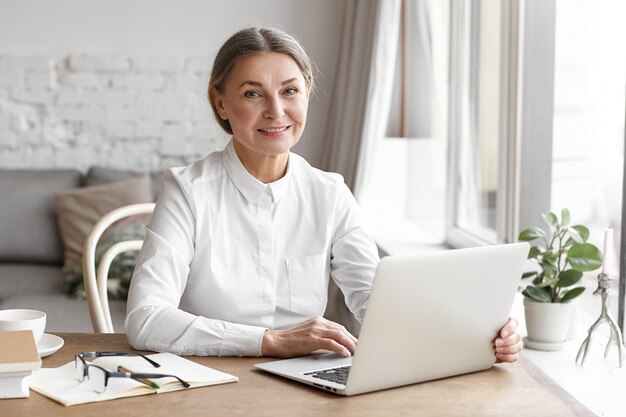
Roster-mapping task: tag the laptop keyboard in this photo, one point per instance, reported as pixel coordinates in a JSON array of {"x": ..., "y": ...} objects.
[{"x": 337, "y": 375}]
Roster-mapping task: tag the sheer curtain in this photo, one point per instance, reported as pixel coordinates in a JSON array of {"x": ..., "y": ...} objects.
[
  {"x": 360, "y": 105},
  {"x": 363, "y": 88}
]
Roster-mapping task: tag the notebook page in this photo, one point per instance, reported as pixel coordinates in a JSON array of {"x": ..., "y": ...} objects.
[
  {"x": 61, "y": 385},
  {"x": 185, "y": 369}
]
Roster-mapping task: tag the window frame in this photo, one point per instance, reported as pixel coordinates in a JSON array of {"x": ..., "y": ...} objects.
[
  {"x": 525, "y": 145},
  {"x": 621, "y": 297}
]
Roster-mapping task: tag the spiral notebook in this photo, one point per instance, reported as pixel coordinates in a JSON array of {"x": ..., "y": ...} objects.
[{"x": 61, "y": 384}]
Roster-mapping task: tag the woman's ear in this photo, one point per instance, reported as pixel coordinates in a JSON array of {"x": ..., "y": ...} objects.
[{"x": 218, "y": 101}]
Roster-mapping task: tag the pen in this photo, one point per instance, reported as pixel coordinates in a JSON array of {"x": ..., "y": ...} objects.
[{"x": 142, "y": 380}]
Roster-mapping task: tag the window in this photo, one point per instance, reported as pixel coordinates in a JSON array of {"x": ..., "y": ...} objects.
[
  {"x": 500, "y": 125},
  {"x": 475, "y": 180},
  {"x": 588, "y": 147},
  {"x": 406, "y": 200},
  {"x": 455, "y": 176}
]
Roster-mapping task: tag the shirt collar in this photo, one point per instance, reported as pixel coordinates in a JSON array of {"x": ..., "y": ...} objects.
[{"x": 248, "y": 185}]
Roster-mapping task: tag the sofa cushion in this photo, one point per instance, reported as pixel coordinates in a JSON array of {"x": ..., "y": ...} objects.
[
  {"x": 102, "y": 175},
  {"x": 26, "y": 278},
  {"x": 66, "y": 314},
  {"x": 78, "y": 210},
  {"x": 27, "y": 214}
]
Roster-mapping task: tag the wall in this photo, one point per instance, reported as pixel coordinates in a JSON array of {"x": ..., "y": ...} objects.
[{"x": 123, "y": 84}]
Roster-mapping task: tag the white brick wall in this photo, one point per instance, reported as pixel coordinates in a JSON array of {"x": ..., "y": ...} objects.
[
  {"x": 95, "y": 60},
  {"x": 140, "y": 112},
  {"x": 82, "y": 80},
  {"x": 98, "y": 63},
  {"x": 137, "y": 81},
  {"x": 165, "y": 64}
]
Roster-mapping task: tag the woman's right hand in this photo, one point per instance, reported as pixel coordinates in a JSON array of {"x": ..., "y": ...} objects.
[{"x": 314, "y": 334}]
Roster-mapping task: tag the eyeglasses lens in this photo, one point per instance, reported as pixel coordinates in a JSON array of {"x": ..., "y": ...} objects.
[
  {"x": 97, "y": 377},
  {"x": 80, "y": 369}
]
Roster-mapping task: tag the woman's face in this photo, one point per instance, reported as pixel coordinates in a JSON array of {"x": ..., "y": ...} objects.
[{"x": 265, "y": 100}]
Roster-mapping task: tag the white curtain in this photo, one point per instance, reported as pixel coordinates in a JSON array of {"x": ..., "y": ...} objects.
[
  {"x": 360, "y": 106},
  {"x": 363, "y": 88},
  {"x": 380, "y": 89}
]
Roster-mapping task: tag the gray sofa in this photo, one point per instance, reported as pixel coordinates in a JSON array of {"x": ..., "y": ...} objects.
[{"x": 31, "y": 251}]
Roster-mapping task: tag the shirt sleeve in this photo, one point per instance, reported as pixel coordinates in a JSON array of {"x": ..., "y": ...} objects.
[
  {"x": 153, "y": 319},
  {"x": 354, "y": 255}
]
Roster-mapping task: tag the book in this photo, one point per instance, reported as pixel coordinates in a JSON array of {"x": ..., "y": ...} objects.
[
  {"x": 18, "y": 358},
  {"x": 14, "y": 385},
  {"x": 62, "y": 385}
]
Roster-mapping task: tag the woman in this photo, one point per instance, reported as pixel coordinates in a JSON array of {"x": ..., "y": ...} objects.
[{"x": 242, "y": 244}]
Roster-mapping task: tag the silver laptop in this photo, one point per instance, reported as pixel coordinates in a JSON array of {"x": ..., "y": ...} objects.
[{"x": 430, "y": 316}]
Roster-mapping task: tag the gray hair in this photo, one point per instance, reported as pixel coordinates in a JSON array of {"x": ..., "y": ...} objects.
[{"x": 254, "y": 41}]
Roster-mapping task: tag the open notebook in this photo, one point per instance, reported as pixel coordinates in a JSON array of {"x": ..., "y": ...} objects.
[{"x": 61, "y": 383}]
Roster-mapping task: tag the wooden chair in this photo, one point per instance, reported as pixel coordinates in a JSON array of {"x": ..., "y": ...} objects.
[{"x": 96, "y": 282}]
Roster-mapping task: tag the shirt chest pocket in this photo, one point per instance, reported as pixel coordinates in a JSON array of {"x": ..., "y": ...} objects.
[{"x": 308, "y": 284}]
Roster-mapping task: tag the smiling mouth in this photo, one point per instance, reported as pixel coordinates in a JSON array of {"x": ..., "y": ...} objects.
[{"x": 274, "y": 129}]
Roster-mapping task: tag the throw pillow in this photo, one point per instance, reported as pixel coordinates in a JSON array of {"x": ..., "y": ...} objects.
[
  {"x": 79, "y": 209},
  {"x": 98, "y": 175}
]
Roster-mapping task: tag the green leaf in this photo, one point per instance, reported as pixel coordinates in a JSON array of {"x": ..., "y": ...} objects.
[
  {"x": 550, "y": 269},
  {"x": 571, "y": 294},
  {"x": 538, "y": 280},
  {"x": 584, "y": 257},
  {"x": 545, "y": 284},
  {"x": 548, "y": 256},
  {"x": 548, "y": 282},
  {"x": 575, "y": 236},
  {"x": 529, "y": 274},
  {"x": 532, "y": 233},
  {"x": 551, "y": 220},
  {"x": 564, "y": 217},
  {"x": 534, "y": 252},
  {"x": 583, "y": 230},
  {"x": 548, "y": 262},
  {"x": 569, "y": 277},
  {"x": 536, "y": 294}
]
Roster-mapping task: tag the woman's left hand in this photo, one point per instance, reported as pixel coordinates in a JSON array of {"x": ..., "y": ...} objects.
[{"x": 508, "y": 343}]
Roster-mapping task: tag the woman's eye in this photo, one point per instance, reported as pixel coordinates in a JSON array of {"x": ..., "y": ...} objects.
[
  {"x": 251, "y": 94},
  {"x": 290, "y": 91}
]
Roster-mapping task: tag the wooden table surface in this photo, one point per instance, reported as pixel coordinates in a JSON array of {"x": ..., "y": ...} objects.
[{"x": 504, "y": 390}]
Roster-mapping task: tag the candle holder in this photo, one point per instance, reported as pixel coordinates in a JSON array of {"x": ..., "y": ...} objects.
[{"x": 604, "y": 286}]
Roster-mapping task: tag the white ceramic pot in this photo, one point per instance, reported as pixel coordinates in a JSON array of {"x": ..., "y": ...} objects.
[
  {"x": 547, "y": 322},
  {"x": 574, "y": 330}
]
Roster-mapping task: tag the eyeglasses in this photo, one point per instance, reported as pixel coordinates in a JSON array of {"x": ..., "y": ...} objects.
[{"x": 99, "y": 377}]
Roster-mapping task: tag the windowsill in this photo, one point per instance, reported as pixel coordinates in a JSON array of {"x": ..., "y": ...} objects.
[
  {"x": 599, "y": 384},
  {"x": 396, "y": 235}
]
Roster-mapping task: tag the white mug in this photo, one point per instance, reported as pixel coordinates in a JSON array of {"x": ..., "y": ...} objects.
[{"x": 22, "y": 319}]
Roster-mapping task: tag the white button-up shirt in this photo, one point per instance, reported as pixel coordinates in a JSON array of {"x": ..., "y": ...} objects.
[{"x": 227, "y": 257}]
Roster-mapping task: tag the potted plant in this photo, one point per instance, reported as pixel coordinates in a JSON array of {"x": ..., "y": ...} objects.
[{"x": 561, "y": 255}]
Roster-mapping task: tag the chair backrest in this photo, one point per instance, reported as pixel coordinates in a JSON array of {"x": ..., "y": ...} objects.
[{"x": 96, "y": 282}]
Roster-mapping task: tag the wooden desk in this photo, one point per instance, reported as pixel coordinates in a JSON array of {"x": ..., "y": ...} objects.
[{"x": 505, "y": 390}]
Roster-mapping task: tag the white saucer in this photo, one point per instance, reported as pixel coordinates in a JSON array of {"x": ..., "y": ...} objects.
[
  {"x": 545, "y": 346},
  {"x": 49, "y": 344}
]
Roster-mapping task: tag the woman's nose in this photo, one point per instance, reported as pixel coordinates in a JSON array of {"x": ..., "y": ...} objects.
[{"x": 275, "y": 109}]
